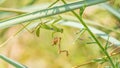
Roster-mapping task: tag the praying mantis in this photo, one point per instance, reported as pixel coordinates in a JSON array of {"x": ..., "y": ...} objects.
[
  {"x": 57, "y": 41},
  {"x": 48, "y": 27},
  {"x": 51, "y": 27}
]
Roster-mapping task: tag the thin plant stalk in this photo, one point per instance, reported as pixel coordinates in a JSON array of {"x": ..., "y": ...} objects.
[{"x": 92, "y": 35}]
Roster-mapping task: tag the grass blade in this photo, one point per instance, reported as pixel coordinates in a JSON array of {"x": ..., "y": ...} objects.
[
  {"x": 12, "y": 62},
  {"x": 47, "y": 12},
  {"x": 112, "y": 10},
  {"x": 94, "y": 30}
]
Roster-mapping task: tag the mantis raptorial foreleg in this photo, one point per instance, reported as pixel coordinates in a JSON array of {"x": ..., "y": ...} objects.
[{"x": 57, "y": 41}]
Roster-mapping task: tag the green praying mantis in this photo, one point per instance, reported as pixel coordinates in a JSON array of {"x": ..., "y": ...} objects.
[
  {"x": 43, "y": 25},
  {"x": 52, "y": 27},
  {"x": 48, "y": 27}
]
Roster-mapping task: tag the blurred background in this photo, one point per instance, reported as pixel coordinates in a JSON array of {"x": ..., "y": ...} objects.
[{"x": 38, "y": 52}]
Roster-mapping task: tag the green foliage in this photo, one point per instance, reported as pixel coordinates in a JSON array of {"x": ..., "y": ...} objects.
[
  {"x": 92, "y": 35},
  {"x": 38, "y": 31},
  {"x": 55, "y": 29}
]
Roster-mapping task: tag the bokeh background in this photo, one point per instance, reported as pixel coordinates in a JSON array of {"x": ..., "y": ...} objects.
[{"x": 37, "y": 52}]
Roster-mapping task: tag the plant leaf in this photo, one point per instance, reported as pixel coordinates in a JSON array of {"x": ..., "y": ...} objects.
[{"x": 38, "y": 32}]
